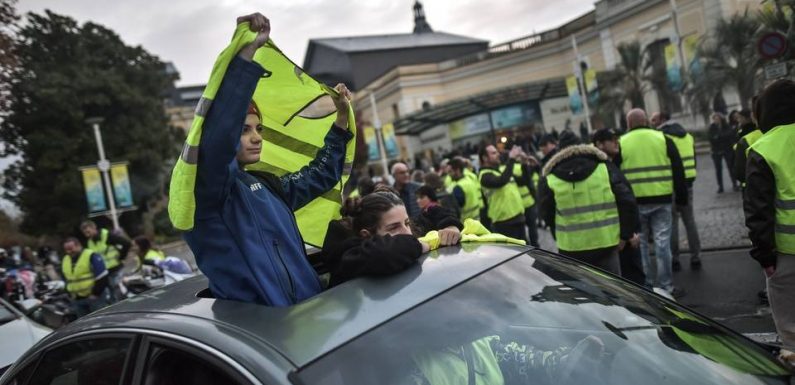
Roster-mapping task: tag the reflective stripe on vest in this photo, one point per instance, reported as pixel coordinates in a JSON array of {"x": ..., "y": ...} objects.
[
  {"x": 586, "y": 216},
  {"x": 448, "y": 366},
  {"x": 528, "y": 200},
  {"x": 79, "y": 278},
  {"x": 472, "y": 198},
  {"x": 687, "y": 152},
  {"x": 109, "y": 253},
  {"x": 645, "y": 163},
  {"x": 776, "y": 147},
  {"x": 504, "y": 202}
]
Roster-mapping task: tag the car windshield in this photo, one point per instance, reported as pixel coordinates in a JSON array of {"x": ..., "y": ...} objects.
[
  {"x": 6, "y": 315},
  {"x": 546, "y": 320}
]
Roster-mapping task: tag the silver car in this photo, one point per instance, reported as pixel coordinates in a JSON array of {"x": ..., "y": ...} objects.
[{"x": 474, "y": 314}]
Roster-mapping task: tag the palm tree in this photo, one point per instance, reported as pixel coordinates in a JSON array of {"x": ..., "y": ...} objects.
[
  {"x": 730, "y": 58},
  {"x": 626, "y": 83}
]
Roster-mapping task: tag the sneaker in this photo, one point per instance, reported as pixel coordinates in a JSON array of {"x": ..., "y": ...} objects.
[
  {"x": 678, "y": 293},
  {"x": 695, "y": 263},
  {"x": 675, "y": 265}
]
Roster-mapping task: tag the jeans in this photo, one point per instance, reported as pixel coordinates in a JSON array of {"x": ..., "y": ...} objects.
[
  {"x": 604, "y": 259},
  {"x": 686, "y": 213},
  {"x": 632, "y": 265},
  {"x": 531, "y": 217},
  {"x": 718, "y": 158},
  {"x": 656, "y": 220}
]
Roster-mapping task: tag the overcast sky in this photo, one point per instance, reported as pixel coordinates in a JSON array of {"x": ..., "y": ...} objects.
[{"x": 191, "y": 33}]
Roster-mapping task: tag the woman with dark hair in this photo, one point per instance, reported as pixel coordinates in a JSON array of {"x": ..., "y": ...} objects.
[
  {"x": 373, "y": 239},
  {"x": 146, "y": 253},
  {"x": 433, "y": 215}
]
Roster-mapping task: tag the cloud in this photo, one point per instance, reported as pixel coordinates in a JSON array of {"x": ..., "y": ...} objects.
[{"x": 192, "y": 33}]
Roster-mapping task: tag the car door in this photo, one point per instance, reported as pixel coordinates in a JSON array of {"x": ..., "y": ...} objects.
[
  {"x": 96, "y": 359},
  {"x": 166, "y": 361}
]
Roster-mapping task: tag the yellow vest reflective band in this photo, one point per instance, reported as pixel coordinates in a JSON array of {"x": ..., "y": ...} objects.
[
  {"x": 472, "y": 198},
  {"x": 297, "y": 115},
  {"x": 776, "y": 147},
  {"x": 586, "y": 217},
  {"x": 109, "y": 253},
  {"x": 645, "y": 163},
  {"x": 527, "y": 198},
  {"x": 79, "y": 277},
  {"x": 504, "y": 202},
  {"x": 687, "y": 152},
  {"x": 448, "y": 366}
]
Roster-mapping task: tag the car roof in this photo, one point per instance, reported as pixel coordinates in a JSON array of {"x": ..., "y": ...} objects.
[{"x": 312, "y": 328}]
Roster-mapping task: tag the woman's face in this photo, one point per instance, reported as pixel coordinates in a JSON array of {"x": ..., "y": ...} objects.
[
  {"x": 394, "y": 222},
  {"x": 423, "y": 201}
]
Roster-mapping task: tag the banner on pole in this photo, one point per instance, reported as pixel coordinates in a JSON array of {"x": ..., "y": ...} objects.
[
  {"x": 121, "y": 185},
  {"x": 672, "y": 68},
  {"x": 373, "y": 152},
  {"x": 390, "y": 142},
  {"x": 575, "y": 101},
  {"x": 95, "y": 194},
  {"x": 591, "y": 87}
]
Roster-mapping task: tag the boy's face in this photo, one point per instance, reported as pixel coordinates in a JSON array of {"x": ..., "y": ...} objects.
[
  {"x": 250, "y": 141},
  {"x": 423, "y": 201}
]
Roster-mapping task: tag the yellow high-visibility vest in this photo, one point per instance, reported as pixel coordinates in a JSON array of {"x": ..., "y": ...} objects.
[
  {"x": 776, "y": 147},
  {"x": 109, "y": 253},
  {"x": 296, "y": 112},
  {"x": 645, "y": 163},
  {"x": 504, "y": 202},
  {"x": 79, "y": 277}
]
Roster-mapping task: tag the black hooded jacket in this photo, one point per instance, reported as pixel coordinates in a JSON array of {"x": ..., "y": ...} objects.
[{"x": 576, "y": 163}]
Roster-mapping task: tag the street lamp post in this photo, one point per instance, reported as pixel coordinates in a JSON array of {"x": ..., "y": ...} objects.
[
  {"x": 378, "y": 137},
  {"x": 581, "y": 82},
  {"x": 104, "y": 166}
]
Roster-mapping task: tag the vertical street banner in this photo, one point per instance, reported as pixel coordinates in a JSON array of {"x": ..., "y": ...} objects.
[
  {"x": 390, "y": 141},
  {"x": 95, "y": 195},
  {"x": 690, "y": 48},
  {"x": 591, "y": 87},
  {"x": 121, "y": 185},
  {"x": 373, "y": 152},
  {"x": 575, "y": 101},
  {"x": 672, "y": 68}
]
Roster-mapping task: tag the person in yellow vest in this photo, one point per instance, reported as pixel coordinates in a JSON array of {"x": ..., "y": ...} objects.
[
  {"x": 749, "y": 134},
  {"x": 245, "y": 237},
  {"x": 145, "y": 252},
  {"x": 527, "y": 190},
  {"x": 465, "y": 188},
  {"x": 687, "y": 151},
  {"x": 503, "y": 199},
  {"x": 769, "y": 202},
  {"x": 113, "y": 249},
  {"x": 86, "y": 277},
  {"x": 651, "y": 163},
  {"x": 588, "y": 204}
]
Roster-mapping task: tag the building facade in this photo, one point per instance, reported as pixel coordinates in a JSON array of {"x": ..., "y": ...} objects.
[{"x": 451, "y": 103}]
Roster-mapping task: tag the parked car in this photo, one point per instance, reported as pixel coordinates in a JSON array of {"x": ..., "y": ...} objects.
[
  {"x": 17, "y": 334},
  {"x": 485, "y": 314}
]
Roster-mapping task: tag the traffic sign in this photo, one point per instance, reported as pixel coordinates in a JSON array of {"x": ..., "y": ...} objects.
[
  {"x": 772, "y": 45},
  {"x": 775, "y": 71}
]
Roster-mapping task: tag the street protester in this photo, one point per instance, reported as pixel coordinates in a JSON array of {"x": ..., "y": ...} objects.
[
  {"x": 113, "y": 249},
  {"x": 433, "y": 215},
  {"x": 721, "y": 140},
  {"x": 769, "y": 204},
  {"x": 503, "y": 199},
  {"x": 687, "y": 151},
  {"x": 651, "y": 163},
  {"x": 374, "y": 238},
  {"x": 245, "y": 237},
  {"x": 588, "y": 204},
  {"x": 86, "y": 277}
]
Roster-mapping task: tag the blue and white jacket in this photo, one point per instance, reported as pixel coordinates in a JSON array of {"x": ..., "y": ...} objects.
[{"x": 245, "y": 236}]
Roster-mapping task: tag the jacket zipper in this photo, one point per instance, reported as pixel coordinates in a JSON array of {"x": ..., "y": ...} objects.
[{"x": 286, "y": 271}]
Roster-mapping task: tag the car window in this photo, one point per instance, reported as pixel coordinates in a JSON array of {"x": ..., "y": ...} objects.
[
  {"x": 169, "y": 366},
  {"x": 547, "y": 320},
  {"x": 85, "y": 362},
  {"x": 6, "y": 315}
]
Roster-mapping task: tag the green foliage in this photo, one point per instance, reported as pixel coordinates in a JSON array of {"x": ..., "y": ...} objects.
[
  {"x": 67, "y": 74},
  {"x": 729, "y": 57},
  {"x": 625, "y": 84}
]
